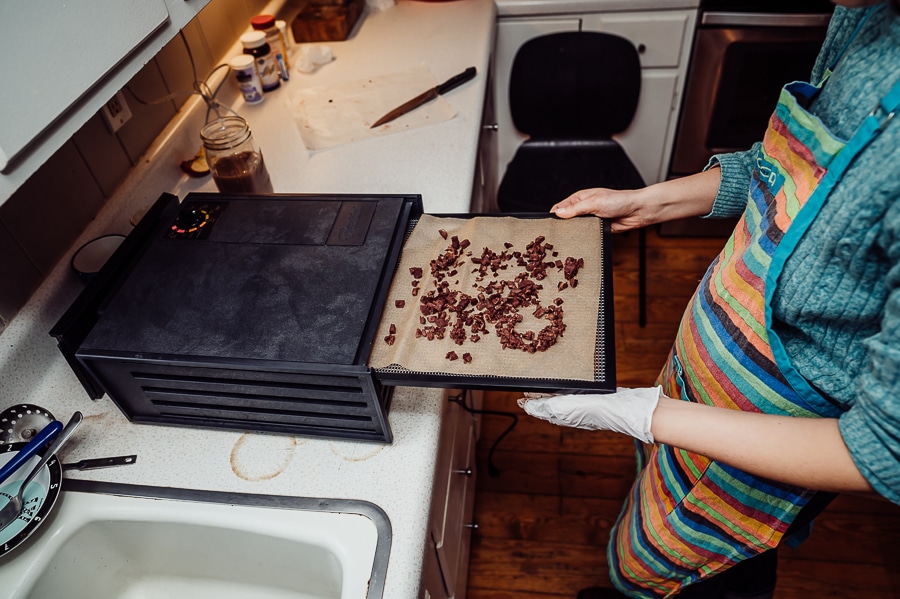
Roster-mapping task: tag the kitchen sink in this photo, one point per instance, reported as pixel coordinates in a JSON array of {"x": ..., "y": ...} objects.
[{"x": 113, "y": 541}]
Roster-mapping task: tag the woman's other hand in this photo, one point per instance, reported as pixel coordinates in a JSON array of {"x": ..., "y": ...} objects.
[
  {"x": 636, "y": 208},
  {"x": 622, "y": 208}
]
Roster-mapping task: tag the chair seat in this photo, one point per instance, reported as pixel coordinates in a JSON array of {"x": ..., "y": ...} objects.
[{"x": 543, "y": 173}]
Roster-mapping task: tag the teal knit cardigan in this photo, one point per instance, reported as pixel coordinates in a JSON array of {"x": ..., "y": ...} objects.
[{"x": 837, "y": 304}]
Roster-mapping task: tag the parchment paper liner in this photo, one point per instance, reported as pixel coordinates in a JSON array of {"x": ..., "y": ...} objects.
[
  {"x": 338, "y": 114},
  {"x": 572, "y": 357}
]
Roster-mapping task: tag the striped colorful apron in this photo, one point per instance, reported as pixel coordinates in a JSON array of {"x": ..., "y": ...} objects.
[{"x": 688, "y": 517}]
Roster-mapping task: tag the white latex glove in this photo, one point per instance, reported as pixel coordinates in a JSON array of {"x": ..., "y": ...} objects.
[{"x": 627, "y": 411}]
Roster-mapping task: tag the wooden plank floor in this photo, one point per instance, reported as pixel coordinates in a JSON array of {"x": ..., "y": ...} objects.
[{"x": 544, "y": 520}]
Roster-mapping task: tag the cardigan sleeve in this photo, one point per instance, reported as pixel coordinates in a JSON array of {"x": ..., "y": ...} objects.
[
  {"x": 737, "y": 168},
  {"x": 871, "y": 428}
]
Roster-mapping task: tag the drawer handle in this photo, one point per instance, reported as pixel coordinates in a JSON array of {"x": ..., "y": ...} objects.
[
  {"x": 472, "y": 525},
  {"x": 467, "y": 472},
  {"x": 491, "y": 127}
]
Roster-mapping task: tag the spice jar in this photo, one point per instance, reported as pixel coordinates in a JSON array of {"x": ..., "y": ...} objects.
[
  {"x": 248, "y": 81},
  {"x": 276, "y": 41},
  {"x": 255, "y": 45},
  {"x": 236, "y": 163}
]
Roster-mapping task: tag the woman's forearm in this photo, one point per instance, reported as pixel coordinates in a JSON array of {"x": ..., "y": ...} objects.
[
  {"x": 684, "y": 197},
  {"x": 807, "y": 452}
]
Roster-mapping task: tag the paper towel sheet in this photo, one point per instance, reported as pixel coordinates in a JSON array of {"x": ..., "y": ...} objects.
[
  {"x": 572, "y": 357},
  {"x": 333, "y": 115}
]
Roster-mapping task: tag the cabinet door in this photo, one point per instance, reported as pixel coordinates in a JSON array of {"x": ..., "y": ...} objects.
[
  {"x": 511, "y": 34},
  {"x": 56, "y": 50},
  {"x": 454, "y": 496},
  {"x": 646, "y": 140},
  {"x": 663, "y": 40}
]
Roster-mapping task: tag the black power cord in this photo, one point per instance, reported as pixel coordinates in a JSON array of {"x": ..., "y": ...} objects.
[
  {"x": 461, "y": 400},
  {"x": 200, "y": 87}
]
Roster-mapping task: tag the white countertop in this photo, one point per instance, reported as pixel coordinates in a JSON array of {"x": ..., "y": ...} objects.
[{"x": 436, "y": 161}]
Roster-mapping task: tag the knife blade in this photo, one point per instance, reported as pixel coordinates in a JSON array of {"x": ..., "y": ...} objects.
[{"x": 427, "y": 96}]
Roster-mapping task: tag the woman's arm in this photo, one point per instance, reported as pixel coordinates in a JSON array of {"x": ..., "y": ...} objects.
[
  {"x": 807, "y": 452},
  {"x": 632, "y": 209}
]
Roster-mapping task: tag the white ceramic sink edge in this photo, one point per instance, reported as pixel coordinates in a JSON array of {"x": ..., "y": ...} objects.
[{"x": 139, "y": 541}]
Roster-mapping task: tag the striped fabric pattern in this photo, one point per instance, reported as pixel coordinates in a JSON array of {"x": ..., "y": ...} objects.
[{"x": 688, "y": 517}]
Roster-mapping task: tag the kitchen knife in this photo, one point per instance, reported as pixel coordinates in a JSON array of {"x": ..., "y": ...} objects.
[
  {"x": 427, "y": 96},
  {"x": 47, "y": 434},
  {"x": 90, "y": 464}
]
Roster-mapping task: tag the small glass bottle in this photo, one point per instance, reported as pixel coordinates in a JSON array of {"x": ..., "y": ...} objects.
[
  {"x": 236, "y": 163},
  {"x": 244, "y": 68},
  {"x": 255, "y": 45},
  {"x": 267, "y": 24}
]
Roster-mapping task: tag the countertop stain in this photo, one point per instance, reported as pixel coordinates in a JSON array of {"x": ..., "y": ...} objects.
[
  {"x": 354, "y": 454},
  {"x": 262, "y": 457}
]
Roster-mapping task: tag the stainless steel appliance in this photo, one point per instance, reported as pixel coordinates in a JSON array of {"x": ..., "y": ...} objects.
[
  {"x": 740, "y": 61},
  {"x": 743, "y": 53}
]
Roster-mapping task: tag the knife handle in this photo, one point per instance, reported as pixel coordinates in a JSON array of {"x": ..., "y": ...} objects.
[
  {"x": 456, "y": 80},
  {"x": 34, "y": 446}
]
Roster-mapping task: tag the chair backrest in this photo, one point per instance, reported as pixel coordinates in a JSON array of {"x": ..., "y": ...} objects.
[{"x": 583, "y": 84}]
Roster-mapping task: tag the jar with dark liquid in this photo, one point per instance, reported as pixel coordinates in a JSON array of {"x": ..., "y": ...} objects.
[{"x": 235, "y": 162}]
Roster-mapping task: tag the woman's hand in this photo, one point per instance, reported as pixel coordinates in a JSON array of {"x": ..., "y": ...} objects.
[
  {"x": 635, "y": 208},
  {"x": 623, "y": 209}
]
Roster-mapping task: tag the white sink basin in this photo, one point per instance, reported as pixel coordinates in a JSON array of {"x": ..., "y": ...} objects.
[{"x": 131, "y": 542}]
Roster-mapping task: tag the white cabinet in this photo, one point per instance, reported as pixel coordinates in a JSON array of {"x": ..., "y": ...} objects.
[
  {"x": 663, "y": 39},
  {"x": 96, "y": 35},
  {"x": 450, "y": 523},
  {"x": 65, "y": 60}
]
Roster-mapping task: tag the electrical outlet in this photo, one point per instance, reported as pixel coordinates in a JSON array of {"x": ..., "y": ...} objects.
[{"x": 116, "y": 112}]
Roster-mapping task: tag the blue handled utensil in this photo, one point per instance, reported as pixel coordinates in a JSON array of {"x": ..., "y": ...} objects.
[
  {"x": 10, "y": 512},
  {"x": 47, "y": 434}
]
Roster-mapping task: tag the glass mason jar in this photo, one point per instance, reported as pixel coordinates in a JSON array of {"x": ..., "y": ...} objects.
[{"x": 236, "y": 163}]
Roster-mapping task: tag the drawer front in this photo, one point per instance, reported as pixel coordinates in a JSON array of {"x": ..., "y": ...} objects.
[
  {"x": 453, "y": 552},
  {"x": 658, "y": 36}
]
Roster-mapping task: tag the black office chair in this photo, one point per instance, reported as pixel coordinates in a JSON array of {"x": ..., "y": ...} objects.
[{"x": 570, "y": 93}]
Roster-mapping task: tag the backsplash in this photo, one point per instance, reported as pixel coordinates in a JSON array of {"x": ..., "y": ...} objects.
[{"x": 41, "y": 221}]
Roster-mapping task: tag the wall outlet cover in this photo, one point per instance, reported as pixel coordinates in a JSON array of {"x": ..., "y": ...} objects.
[{"x": 116, "y": 112}]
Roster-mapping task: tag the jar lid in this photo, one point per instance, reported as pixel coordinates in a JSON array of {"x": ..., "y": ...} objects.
[
  {"x": 241, "y": 62},
  {"x": 253, "y": 39},
  {"x": 262, "y": 21}
]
